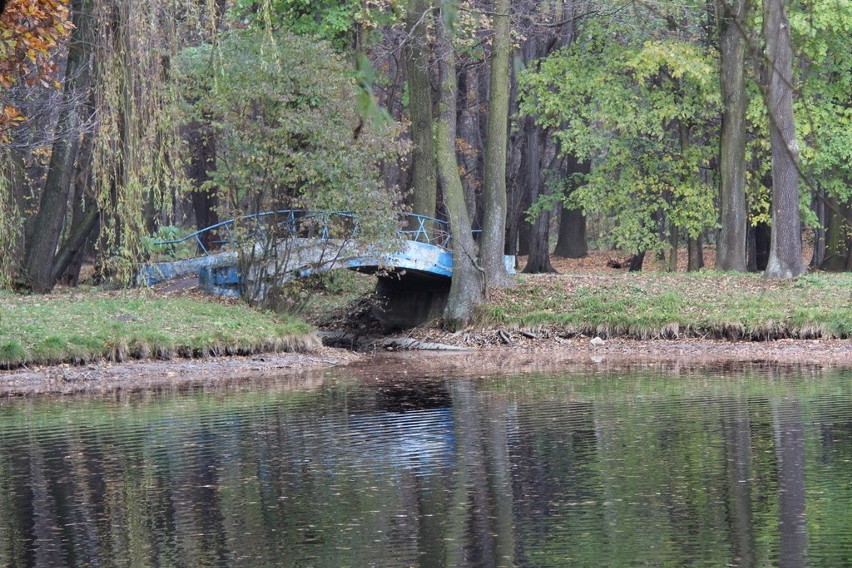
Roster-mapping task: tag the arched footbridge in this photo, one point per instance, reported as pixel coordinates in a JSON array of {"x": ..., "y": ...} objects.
[{"x": 292, "y": 244}]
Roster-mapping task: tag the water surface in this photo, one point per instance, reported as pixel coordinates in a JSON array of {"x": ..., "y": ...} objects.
[{"x": 595, "y": 469}]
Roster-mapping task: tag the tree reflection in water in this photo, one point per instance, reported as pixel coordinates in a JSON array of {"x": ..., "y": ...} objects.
[{"x": 595, "y": 470}]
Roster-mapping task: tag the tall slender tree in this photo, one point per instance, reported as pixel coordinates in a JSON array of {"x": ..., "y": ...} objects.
[
  {"x": 492, "y": 246},
  {"x": 731, "y": 248},
  {"x": 467, "y": 286},
  {"x": 424, "y": 178}
]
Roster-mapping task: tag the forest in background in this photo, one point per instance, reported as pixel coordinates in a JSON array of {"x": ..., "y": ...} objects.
[{"x": 634, "y": 124}]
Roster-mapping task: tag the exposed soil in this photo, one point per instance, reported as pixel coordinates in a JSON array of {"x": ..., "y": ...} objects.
[
  {"x": 107, "y": 377},
  {"x": 523, "y": 355}
]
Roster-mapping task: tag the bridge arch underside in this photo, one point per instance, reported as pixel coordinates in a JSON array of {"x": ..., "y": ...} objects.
[{"x": 409, "y": 292}]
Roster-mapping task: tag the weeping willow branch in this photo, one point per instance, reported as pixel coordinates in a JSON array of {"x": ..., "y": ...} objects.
[{"x": 137, "y": 164}]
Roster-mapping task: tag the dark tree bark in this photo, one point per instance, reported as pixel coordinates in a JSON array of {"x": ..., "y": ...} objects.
[
  {"x": 695, "y": 253},
  {"x": 785, "y": 251},
  {"x": 731, "y": 248},
  {"x": 539, "y": 254},
  {"x": 469, "y": 142},
  {"x": 202, "y": 161},
  {"x": 571, "y": 242},
  {"x": 493, "y": 242},
  {"x": 838, "y": 238},
  {"x": 467, "y": 286},
  {"x": 425, "y": 176},
  {"x": 85, "y": 218},
  {"x": 636, "y": 262},
  {"x": 759, "y": 238},
  {"x": 69, "y": 259},
  {"x": 50, "y": 219}
]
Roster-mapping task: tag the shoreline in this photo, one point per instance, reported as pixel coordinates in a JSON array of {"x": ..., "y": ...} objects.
[{"x": 525, "y": 354}]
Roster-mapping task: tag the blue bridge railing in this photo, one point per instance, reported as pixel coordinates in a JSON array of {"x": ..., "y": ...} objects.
[{"x": 316, "y": 224}]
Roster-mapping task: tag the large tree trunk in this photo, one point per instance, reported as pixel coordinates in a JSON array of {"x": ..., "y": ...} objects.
[
  {"x": 85, "y": 219},
  {"x": 50, "y": 218},
  {"x": 695, "y": 253},
  {"x": 731, "y": 248},
  {"x": 539, "y": 254},
  {"x": 202, "y": 160},
  {"x": 785, "y": 251},
  {"x": 424, "y": 178},
  {"x": 467, "y": 287},
  {"x": 493, "y": 242},
  {"x": 571, "y": 242}
]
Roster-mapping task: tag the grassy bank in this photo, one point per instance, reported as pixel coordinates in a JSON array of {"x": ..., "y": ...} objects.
[
  {"x": 81, "y": 327},
  {"x": 661, "y": 305}
]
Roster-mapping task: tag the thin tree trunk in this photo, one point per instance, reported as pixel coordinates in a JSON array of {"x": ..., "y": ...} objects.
[
  {"x": 819, "y": 232},
  {"x": 424, "y": 177},
  {"x": 467, "y": 287},
  {"x": 674, "y": 240},
  {"x": 731, "y": 250},
  {"x": 785, "y": 250},
  {"x": 469, "y": 146},
  {"x": 493, "y": 242},
  {"x": 50, "y": 218},
  {"x": 202, "y": 160}
]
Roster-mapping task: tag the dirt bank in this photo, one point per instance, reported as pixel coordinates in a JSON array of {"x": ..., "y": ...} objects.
[{"x": 487, "y": 353}]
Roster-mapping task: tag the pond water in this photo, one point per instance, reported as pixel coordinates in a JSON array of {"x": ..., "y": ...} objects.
[{"x": 592, "y": 469}]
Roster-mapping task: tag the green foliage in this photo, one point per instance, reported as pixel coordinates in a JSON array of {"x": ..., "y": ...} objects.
[
  {"x": 334, "y": 21},
  {"x": 823, "y": 107},
  {"x": 644, "y": 111},
  {"x": 639, "y": 98},
  {"x": 288, "y": 134},
  {"x": 158, "y": 252}
]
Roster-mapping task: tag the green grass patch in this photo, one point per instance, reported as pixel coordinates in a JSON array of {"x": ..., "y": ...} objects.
[
  {"x": 75, "y": 327},
  {"x": 655, "y": 305}
]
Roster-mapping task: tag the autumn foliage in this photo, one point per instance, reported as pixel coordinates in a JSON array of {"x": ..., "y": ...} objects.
[{"x": 30, "y": 33}]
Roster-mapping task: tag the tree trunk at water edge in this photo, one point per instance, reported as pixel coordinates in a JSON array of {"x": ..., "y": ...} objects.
[{"x": 467, "y": 287}]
